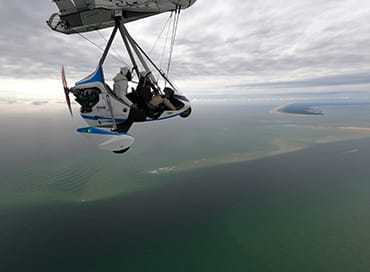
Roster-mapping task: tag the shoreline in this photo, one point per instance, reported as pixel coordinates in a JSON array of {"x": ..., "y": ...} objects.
[{"x": 346, "y": 128}]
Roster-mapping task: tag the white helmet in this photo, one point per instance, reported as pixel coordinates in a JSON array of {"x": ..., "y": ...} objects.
[{"x": 124, "y": 70}]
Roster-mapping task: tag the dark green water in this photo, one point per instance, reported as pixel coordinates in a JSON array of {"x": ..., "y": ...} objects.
[{"x": 307, "y": 210}]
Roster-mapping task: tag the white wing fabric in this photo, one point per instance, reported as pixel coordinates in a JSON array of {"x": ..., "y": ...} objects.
[{"x": 87, "y": 15}]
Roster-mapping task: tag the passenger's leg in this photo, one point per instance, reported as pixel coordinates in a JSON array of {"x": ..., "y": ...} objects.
[
  {"x": 168, "y": 104},
  {"x": 156, "y": 100}
]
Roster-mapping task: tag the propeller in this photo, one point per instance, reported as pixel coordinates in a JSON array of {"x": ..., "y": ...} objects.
[{"x": 66, "y": 90}]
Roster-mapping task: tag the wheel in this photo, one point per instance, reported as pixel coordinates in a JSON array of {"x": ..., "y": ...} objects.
[
  {"x": 121, "y": 151},
  {"x": 186, "y": 113}
]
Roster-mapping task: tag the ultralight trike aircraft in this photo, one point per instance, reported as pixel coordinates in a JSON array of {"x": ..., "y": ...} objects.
[{"x": 110, "y": 117}]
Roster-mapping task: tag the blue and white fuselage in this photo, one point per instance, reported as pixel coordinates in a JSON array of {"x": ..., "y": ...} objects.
[
  {"x": 109, "y": 117},
  {"x": 110, "y": 106}
]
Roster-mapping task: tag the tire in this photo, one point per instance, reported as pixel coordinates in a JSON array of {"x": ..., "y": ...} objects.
[
  {"x": 121, "y": 151},
  {"x": 186, "y": 113}
]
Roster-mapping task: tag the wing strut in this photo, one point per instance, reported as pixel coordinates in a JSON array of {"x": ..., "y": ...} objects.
[
  {"x": 127, "y": 45},
  {"x": 135, "y": 44},
  {"x": 139, "y": 52},
  {"x": 127, "y": 38},
  {"x": 108, "y": 46}
]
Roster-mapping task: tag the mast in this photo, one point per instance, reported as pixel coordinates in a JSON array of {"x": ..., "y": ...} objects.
[
  {"x": 108, "y": 46},
  {"x": 125, "y": 33},
  {"x": 127, "y": 45}
]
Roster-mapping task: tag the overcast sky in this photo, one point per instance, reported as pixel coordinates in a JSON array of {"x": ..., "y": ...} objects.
[{"x": 222, "y": 45}]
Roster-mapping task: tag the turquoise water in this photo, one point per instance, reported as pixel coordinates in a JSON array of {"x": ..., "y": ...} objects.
[
  {"x": 301, "y": 108},
  {"x": 237, "y": 189}
]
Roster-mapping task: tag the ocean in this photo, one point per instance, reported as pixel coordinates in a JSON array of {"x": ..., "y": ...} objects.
[{"x": 236, "y": 188}]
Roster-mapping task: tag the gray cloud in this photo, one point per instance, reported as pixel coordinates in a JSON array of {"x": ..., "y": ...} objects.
[
  {"x": 39, "y": 103},
  {"x": 336, "y": 80},
  {"x": 270, "y": 42}
]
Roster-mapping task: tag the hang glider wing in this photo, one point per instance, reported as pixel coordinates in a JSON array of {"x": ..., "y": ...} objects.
[{"x": 77, "y": 16}]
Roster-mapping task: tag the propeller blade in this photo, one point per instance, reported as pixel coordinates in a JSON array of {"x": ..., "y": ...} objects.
[
  {"x": 69, "y": 104},
  {"x": 66, "y": 90}
]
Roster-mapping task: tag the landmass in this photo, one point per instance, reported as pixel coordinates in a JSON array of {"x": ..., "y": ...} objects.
[{"x": 298, "y": 108}]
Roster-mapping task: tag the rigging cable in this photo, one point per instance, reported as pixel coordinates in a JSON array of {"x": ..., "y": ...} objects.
[
  {"x": 165, "y": 45},
  {"x": 117, "y": 54},
  {"x": 173, "y": 38},
  {"x": 160, "y": 34},
  {"x": 97, "y": 46},
  {"x": 153, "y": 64}
]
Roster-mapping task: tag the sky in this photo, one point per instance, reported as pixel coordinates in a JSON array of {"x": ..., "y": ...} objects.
[{"x": 222, "y": 46}]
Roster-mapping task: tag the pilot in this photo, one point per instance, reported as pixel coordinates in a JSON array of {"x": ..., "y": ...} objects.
[
  {"x": 144, "y": 90},
  {"x": 121, "y": 80}
]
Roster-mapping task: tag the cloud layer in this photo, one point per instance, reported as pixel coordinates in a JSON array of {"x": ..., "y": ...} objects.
[{"x": 220, "y": 43}]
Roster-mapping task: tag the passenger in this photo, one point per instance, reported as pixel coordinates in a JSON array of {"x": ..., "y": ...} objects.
[
  {"x": 144, "y": 90},
  {"x": 121, "y": 80}
]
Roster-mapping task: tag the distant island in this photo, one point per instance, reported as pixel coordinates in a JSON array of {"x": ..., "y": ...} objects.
[{"x": 299, "y": 108}]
